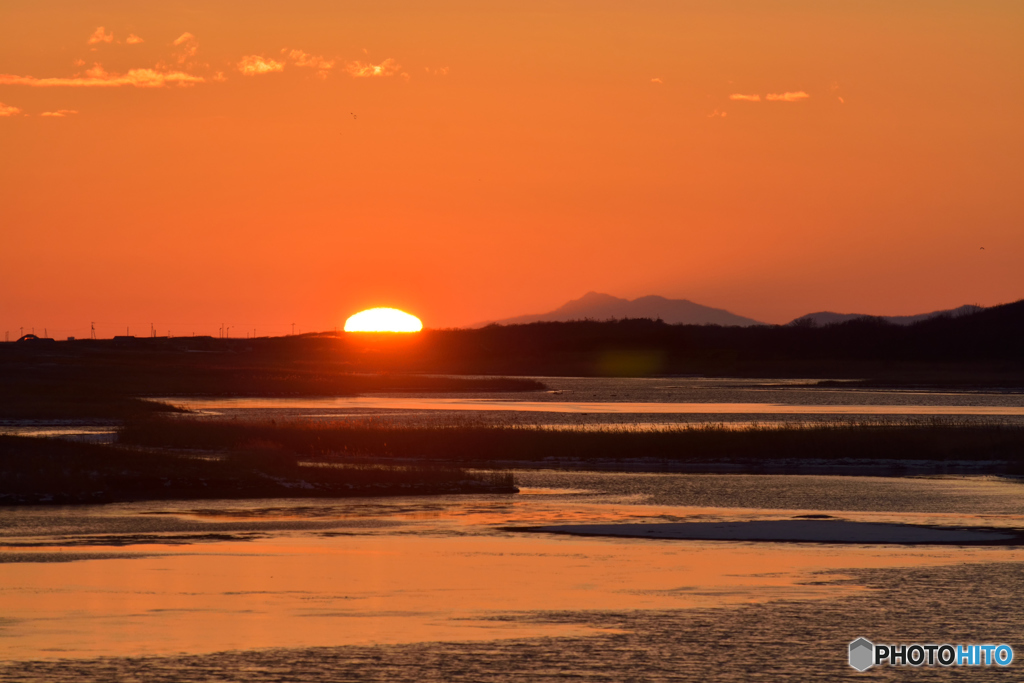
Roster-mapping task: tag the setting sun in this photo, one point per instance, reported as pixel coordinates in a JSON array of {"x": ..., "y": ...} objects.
[{"x": 383, "y": 320}]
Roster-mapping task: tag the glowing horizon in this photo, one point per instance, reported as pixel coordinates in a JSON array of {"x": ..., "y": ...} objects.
[
  {"x": 175, "y": 165},
  {"x": 383, "y": 320}
]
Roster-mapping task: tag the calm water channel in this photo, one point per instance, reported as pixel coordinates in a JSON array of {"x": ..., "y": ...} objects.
[{"x": 414, "y": 589}]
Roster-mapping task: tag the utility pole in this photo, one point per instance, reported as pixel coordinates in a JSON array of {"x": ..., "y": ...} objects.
[
  {"x": 293, "y": 329},
  {"x": 152, "y": 330},
  {"x": 92, "y": 330}
]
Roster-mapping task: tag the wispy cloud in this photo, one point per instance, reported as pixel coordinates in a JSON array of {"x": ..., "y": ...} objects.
[
  {"x": 389, "y": 67},
  {"x": 8, "y": 110},
  {"x": 255, "y": 65},
  {"x": 97, "y": 77},
  {"x": 771, "y": 97},
  {"x": 717, "y": 114},
  {"x": 60, "y": 113},
  {"x": 187, "y": 46},
  {"x": 100, "y": 36},
  {"x": 787, "y": 96},
  {"x": 657, "y": 80},
  {"x": 300, "y": 58},
  {"x": 304, "y": 59},
  {"x": 834, "y": 88}
]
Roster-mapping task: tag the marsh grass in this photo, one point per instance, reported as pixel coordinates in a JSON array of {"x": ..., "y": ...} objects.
[
  {"x": 54, "y": 471},
  {"x": 466, "y": 442}
]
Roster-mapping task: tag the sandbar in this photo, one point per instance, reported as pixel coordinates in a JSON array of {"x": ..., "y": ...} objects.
[{"x": 795, "y": 530}]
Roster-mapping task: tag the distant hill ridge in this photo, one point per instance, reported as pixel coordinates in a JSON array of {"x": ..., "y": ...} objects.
[
  {"x": 829, "y": 318},
  {"x": 597, "y": 306},
  {"x": 601, "y": 307}
]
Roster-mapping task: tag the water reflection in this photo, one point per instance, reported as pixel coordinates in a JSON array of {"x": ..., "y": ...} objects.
[
  {"x": 583, "y": 403},
  {"x": 164, "y": 578},
  {"x": 378, "y": 403},
  {"x": 304, "y": 592}
]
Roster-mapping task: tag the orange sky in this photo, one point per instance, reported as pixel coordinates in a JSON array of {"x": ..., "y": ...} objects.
[{"x": 258, "y": 164}]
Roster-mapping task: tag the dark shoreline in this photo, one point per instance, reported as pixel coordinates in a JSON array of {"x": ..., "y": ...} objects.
[
  {"x": 49, "y": 500},
  {"x": 45, "y": 471},
  {"x": 180, "y": 457},
  {"x": 864, "y": 468},
  {"x": 105, "y": 378},
  {"x": 936, "y": 446}
]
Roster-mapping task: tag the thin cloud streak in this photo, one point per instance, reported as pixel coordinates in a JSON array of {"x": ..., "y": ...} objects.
[
  {"x": 60, "y": 113},
  {"x": 8, "y": 110},
  {"x": 389, "y": 67},
  {"x": 96, "y": 77},
  {"x": 745, "y": 98},
  {"x": 787, "y": 96},
  {"x": 255, "y": 65},
  {"x": 133, "y": 39}
]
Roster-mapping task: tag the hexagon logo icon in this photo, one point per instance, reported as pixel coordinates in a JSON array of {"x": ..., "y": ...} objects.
[{"x": 862, "y": 654}]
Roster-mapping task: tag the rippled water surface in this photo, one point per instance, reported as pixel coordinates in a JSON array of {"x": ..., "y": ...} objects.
[
  {"x": 437, "y": 588},
  {"x": 590, "y": 401}
]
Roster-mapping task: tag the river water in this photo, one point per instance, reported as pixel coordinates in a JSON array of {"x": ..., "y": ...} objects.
[
  {"x": 650, "y": 401},
  {"x": 601, "y": 403},
  {"x": 439, "y": 588}
]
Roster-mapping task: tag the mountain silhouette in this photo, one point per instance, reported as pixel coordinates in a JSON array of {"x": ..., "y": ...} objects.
[
  {"x": 596, "y": 306},
  {"x": 829, "y": 318}
]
